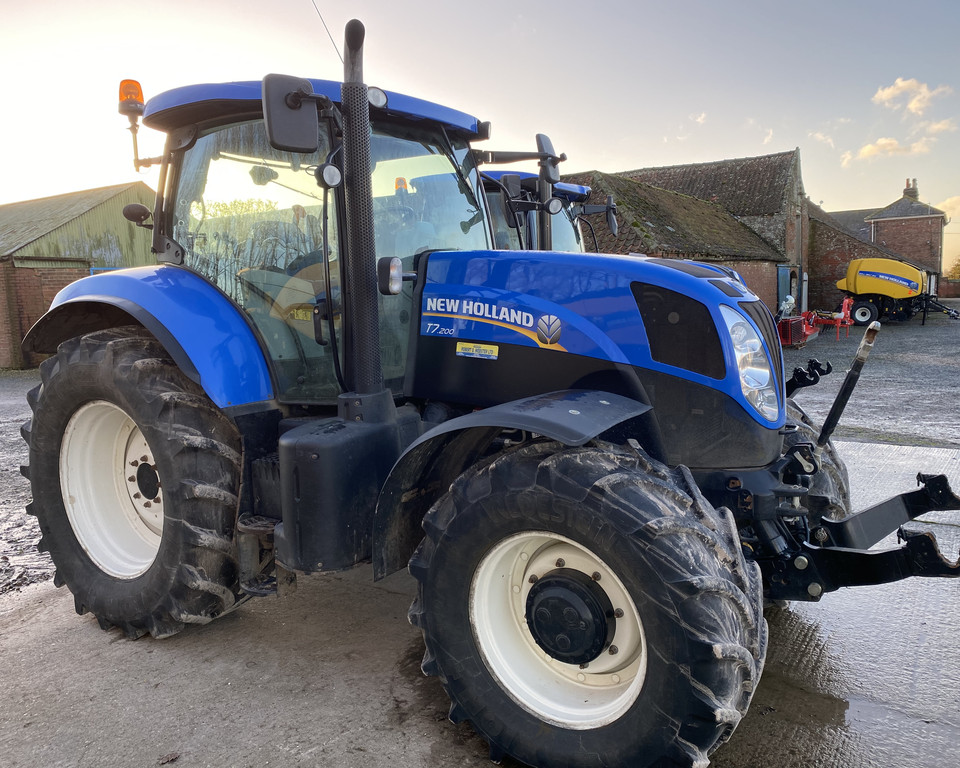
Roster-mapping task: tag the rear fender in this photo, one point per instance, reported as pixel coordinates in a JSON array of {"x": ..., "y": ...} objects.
[
  {"x": 427, "y": 468},
  {"x": 202, "y": 330}
]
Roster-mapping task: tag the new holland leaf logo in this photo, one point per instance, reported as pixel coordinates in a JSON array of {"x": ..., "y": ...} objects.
[{"x": 548, "y": 329}]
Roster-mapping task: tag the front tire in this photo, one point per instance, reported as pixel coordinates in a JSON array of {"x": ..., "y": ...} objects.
[
  {"x": 135, "y": 475},
  {"x": 587, "y": 607},
  {"x": 830, "y": 489}
]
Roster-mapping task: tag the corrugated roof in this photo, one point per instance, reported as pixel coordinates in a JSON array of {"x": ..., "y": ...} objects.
[
  {"x": 22, "y": 223},
  {"x": 748, "y": 186},
  {"x": 653, "y": 220}
]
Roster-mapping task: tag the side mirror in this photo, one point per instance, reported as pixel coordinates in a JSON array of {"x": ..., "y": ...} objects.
[
  {"x": 138, "y": 213},
  {"x": 549, "y": 165},
  {"x": 290, "y": 113},
  {"x": 612, "y": 216}
]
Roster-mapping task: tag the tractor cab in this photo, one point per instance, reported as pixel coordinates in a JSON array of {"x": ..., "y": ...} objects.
[{"x": 264, "y": 225}]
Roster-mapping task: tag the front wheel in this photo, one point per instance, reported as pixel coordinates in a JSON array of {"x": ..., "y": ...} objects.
[
  {"x": 830, "y": 489},
  {"x": 587, "y": 607},
  {"x": 135, "y": 475}
]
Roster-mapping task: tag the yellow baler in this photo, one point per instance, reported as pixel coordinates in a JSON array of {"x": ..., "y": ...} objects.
[{"x": 884, "y": 288}]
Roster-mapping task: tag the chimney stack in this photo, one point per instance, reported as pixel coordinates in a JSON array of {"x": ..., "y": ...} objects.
[{"x": 911, "y": 191}]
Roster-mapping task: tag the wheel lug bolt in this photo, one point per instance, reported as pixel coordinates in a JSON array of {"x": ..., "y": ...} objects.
[
  {"x": 132, "y": 479},
  {"x": 618, "y": 613},
  {"x": 156, "y": 500},
  {"x": 613, "y": 650},
  {"x": 533, "y": 578},
  {"x": 561, "y": 562},
  {"x": 146, "y": 504},
  {"x": 595, "y": 575},
  {"x": 136, "y": 495},
  {"x": 134, "y": 463},
  {"x": 144, "y": 459}
]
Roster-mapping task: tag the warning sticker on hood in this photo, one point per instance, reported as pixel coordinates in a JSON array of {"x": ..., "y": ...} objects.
[{"x": 474, "y": 349}]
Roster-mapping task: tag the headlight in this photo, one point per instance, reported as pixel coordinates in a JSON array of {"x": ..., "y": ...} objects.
[{"x": 756, "y": 375}]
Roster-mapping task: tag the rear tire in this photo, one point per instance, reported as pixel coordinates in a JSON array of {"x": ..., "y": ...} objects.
[
  {"x": 539, "y": 665},
  {"x": 864, "y": 312},
  {"x": 135, "y": 475}
]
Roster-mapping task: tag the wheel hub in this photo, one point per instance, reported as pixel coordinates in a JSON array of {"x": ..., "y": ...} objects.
[
  {"x": 570, "y": 616},
  {"x": 148, "y": 481}
]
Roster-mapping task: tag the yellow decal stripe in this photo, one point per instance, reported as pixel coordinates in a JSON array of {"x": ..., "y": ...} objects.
[{"x": 532, "y": 335}]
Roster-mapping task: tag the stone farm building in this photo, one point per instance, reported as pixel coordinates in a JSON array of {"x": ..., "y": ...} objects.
[
  {"x": 46, "y": 244},
  {"x": 796, "y": 248},
  {"x": 658, "y": 222}
]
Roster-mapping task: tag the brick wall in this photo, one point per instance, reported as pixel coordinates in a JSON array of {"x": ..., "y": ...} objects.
[
  {"x": 25, "y": 294},
  {"x": 949, "y": 289},
  {"x": 761, "y": 278},
  {"x": 830, "y": 253},
  {"x": 917, "y": 240}
]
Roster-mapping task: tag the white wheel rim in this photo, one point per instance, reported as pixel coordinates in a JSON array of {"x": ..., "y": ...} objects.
[
  {"x": 569, "y": 695},
  {"x": 111, "y": 490}
]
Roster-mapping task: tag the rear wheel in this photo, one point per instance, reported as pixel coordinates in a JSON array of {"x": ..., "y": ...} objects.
[
  {"x": 586, "y": 607},
  {"x": 134, "y": 475},
  {"x": 864, "y": 312}
]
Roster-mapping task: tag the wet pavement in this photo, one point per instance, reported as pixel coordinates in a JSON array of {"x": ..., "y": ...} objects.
[
  {"x": 330, "y": 675},
  {"x": 20, "y": 562},
  {"x": 867, "y": 676},
  {"x": 909, "y": 390}
]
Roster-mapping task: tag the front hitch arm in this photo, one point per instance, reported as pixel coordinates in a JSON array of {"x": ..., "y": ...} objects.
[
  {"x": 864, "y": 529},
  {"x": 842, "y": 559}
]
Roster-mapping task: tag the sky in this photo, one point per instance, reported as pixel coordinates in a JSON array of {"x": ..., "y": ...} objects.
[{"x": 869, "y": 90}]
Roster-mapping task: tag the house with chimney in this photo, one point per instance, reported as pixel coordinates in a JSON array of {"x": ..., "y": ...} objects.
[{"x": 907, "y": 227}]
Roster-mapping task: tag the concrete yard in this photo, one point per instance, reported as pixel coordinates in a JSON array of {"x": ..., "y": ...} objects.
[{"x": 329, "y": 676}]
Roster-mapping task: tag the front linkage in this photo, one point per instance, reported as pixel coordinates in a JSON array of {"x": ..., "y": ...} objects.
[
  {"x": 839, "y": 558},
  {"x": 803, "y": 553}
]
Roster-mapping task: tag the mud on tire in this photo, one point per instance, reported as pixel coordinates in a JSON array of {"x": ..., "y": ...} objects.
[
  {"x": 135, "y": 475},
  {"x": 830, "y": 491},
  {"x": 607, "y": 527}
]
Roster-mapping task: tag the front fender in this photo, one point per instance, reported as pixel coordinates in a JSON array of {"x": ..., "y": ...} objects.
[
  {"x": 202, "y": 330},
  {"x": 427, "y": 468}
]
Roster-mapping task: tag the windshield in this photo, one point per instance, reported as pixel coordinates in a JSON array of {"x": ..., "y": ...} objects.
[
  {"x": 423, "y": 193},
  {"x": 566, "y": 232},
  {"x": 565, "y": 229},
  {"x": 253, "y": 220}
]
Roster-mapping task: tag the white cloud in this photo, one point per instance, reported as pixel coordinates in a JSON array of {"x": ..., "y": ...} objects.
[
  {"x": 941, "y": 127},
  {"x": 821, "y": 137},
  {"x": 769, "y": 137},
  {"x": 845, "y": 159},
  {"x": 950, "y": 206},
  {"x": 699, "y": 119},
  {"x": 913, "y": 94},
  {"x": 886, "y": 147}
]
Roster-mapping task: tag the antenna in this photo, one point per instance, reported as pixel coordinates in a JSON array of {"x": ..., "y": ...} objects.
[{"x": 327, "y": 29}]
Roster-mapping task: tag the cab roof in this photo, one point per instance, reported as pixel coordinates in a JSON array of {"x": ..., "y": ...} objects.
[{"x": 208, "y": 102}]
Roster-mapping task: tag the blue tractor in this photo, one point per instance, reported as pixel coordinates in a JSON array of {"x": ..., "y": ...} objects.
[{"x": 589, "y": 463}]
